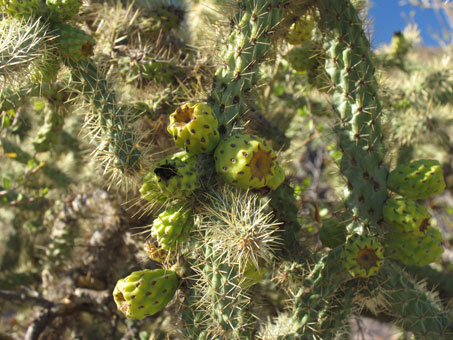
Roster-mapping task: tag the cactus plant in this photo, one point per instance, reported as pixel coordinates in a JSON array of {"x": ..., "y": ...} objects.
[{"x": 259, "y": 247}]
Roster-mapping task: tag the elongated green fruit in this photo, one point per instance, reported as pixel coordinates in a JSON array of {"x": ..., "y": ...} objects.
[
  {"x": 349, "y": 64},
  {"x": 194, "y": 128},
  {"x": 172, "y": 226},
  {"x": 176, "y": 176},
  {"x": 418, "y": 179},
  {"x": 146, "y": 292},
  {"x": 418, "y": 249},
  {"x": 248, "y": 161},
  {"x": 362, "y": 256},
  {"x": 406, "y": 216}
]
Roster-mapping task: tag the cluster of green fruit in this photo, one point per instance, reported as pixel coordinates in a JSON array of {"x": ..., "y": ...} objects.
[
  {"x": 411, "y": 239},
  {"x": 408, "y": 237},
  {"x": 245, "y": 161}
]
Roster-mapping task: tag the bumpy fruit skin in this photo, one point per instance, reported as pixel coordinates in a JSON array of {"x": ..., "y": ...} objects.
[
  {"x": 300, "y": 30},
  {"x": 172, "y": 226},
  {"x": 247, "y": 161},
  {"x": 415, "y": 249},
  {"x": 406, "y": 216},
  {"x": 146, "y": 292},
  {"x": 63, "y": 10},
  {"x": 194, "y": 128},
  {"x": 417, "y": 180},
  {"x": 176, "y": 176},
  {"x": 74, "y": 44},
  {"x": 23, "y": 8},
  {"x": 362, "y": 256}
]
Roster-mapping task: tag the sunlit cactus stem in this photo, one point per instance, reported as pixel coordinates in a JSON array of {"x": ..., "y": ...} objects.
[
  {"x": 109, "y": 118},
  {"x": 355, "y": 97},
  {"x": 247, "y": 47},
  {"x": 411, "y": 307},
  {"x": 318, "y": 294}
]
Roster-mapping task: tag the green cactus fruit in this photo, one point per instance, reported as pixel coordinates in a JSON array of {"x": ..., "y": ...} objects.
[
  {"x": 247, "y": 161},
  {"x": 333, "y": 232},
  {"x": 145, "y": 292},
  {"x": 417, "y": 180},
  {"x": 23, "y": 8},
  {"x": 301, "y": 30},
  {"x": 172, "y": 226},
  {"x": 413, "y": 249},
  {"x": 176, "y": 176},
  {"x": 63, "y": 10},
  {"x": 74, "y": 44},
  {"x": 406, "y": 216},
  {"x": 362, "y": 256},
  {"x": 278, "y": 178},
  {"x": 194, "y": 128}
]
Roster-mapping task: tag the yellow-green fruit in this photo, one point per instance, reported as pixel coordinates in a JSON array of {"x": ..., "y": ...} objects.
[
  {"x": 74, "y": 44},
  {"x": 413, "y": 249},
  {"x": 172, "y": 226},
  {"x": 146, "y": 292},
  {"x": 176, "y": 176},
  {"x": 300, "y": 30},
  {"x": 362, "y": 256},
  {"x": 277, "y": 179},
  {"x": 417, "y": 180},
  {"x": 406, "y": 216},
  {"x": 194, "y": 128},
  {"x": 247, "y": 161}
]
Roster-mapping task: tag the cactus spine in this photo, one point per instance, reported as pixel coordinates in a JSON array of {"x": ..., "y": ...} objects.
[
  {"x": 355, "y": 96},
  {"x": 117, "y": 141},
  {"x": 247, "y": 46}
]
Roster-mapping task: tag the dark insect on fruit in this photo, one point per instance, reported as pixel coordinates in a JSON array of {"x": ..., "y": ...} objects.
[{"x": 166, "y": 171}]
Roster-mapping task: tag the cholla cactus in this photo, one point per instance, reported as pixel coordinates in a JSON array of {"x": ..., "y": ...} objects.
[{"x": 241, "y": 247}]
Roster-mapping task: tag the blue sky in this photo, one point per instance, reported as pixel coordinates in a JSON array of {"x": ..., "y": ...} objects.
[{"x": 389, "y": 16}]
